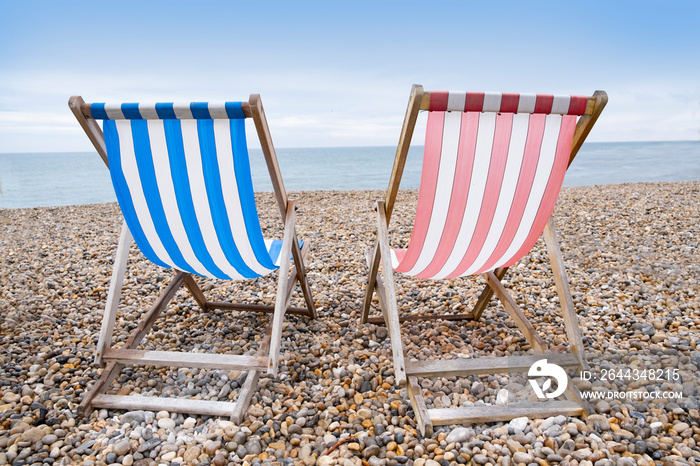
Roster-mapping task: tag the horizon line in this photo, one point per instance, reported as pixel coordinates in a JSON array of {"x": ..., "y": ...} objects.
[{"x": 353, "y": 147}]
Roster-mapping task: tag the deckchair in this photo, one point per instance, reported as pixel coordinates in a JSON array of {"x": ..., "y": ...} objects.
[
  {"x": 182, "y": 178},
  {"x": 493, "y": 167}
]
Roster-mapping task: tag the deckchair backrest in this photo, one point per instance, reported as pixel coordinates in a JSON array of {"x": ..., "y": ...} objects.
[
  {"x": 493, "y": 167},
  {"x": 182, "y": 177}
]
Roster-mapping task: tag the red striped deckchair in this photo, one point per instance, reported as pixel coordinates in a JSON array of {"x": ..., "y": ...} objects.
[
  {"x": 493, "y": 167},
  {"x": 182, "y": 177}
]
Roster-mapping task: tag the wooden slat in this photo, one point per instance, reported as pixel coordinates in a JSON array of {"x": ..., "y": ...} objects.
[
  {"x": 251, "y": 381},
  {"x": 255, "y": 307},
  {"x": 373, "y": 265},
  {"x": 413, "y": 318},
  {"x": 90, "y": 126},
  {"x": 196, "y": 292},
  {"x": 511, "y": 307},
  {"x": 85, "y": 109},
  {"x": 179, "y": 359},
  {"x": 425, "y": 101},
  {"x": 151, "y": 403},
  {"x": 409, "y": 125},
  {"x": 282, "y": 284},
  {"x": 496, "y": 413},
  {"x": 585, "y": 122},
  {"x": 115, "y": 291},
  {"x": 108, "y": 375},
  {"x": 268, "y": 150},
  {"x": 486, "y": 365},
  {"x": 300, "y": 274},
  {"x": 571, "y": 324},
  {"x": 486, "y": 295},
  {"x": 391, "y": 310},
  {"x": 419, "y": 409},
  {"x": 590, "y": 104},
  {"x": 381, "y": 295},
  {"x": 572, "y": 393}
]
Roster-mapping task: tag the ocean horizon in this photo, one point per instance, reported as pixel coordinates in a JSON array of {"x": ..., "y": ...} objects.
[{"x": 78, "y": 178}]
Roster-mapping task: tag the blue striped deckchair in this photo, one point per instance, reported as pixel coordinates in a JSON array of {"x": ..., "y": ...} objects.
[{"x": 182, "y": 178}]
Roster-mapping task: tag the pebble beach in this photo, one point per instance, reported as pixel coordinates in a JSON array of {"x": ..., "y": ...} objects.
[{"x": 632, "y": 254}]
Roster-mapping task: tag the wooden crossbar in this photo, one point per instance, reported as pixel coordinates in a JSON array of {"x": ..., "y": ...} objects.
[
  {"x": 255, "y": 307},
  {"x": 413, "y": 318},
  {"x": 152, "y": 403},
  {"x": 85, "y": 110},
  {"x": 496, "y": 413},
  {"x": 591, "y": 105},
  {"x": 464, "y": 367},
  {"x": 178, "y": 359}
]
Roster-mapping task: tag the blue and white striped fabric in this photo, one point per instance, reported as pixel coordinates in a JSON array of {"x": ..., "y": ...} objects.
[{"x": 182, "y": 178}]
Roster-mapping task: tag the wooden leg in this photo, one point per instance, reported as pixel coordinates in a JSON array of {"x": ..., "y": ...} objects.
[
  {"x": 537, "y": 343},
  {"x": 108, "y": 374},
  {"x": 299, "y": 257},
  {"x": 425, "y": 425},
  {"x": 392, "y": 313},
  {"x": 571, "y": 324},
  {"x": 251, "y": 381},
  {"x": 113, "y": 368},
  {"x": 486, "y": 295},
  {"x": 283, "y": 283},
  {"x": 115, "y": 291},
  {"x": 381, "y": 295},
  {"x": 572, "y": 393},
  {"x": 371, "y": 281},
  {"x": 196, "y": 292},
  {"x": 295, "y": 278}
]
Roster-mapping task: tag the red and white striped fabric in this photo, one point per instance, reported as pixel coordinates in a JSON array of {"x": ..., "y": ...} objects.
[{"x": 493, "y": 167}]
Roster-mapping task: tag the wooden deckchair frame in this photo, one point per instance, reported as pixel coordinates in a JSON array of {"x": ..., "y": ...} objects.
[
  {"x": 382, "y": 281},
  {"x": 267, "y": 357}
]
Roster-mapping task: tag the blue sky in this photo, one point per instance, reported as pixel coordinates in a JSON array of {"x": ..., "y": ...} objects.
[{"x": 339, "y": 73}]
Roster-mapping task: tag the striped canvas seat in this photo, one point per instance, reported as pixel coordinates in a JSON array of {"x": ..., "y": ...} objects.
[
  {"x": 493, "y": 167},
  {"x": 182, "y": 178}
]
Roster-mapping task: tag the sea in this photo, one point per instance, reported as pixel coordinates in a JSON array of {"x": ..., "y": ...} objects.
[{"x": 76, "y": 178}]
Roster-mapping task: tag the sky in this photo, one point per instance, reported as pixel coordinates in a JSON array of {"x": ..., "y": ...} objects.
[{"x": 339, "y": 73}]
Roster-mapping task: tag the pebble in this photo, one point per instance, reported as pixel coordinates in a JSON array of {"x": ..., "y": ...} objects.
[
  {"x": 211, "y": 447},
  {"x": 166, "y": 423},
  {"x": 518, "y": 424},
  {"x": 192, "y": 453},
  {"x": 522, "y": 457},
  {"x": 33, "y": 434},
  {"x": 628, "y": 250},
  {"x": 121, "y": 448},
  {"x": 133, "y": 417},
  {"x": 253, "y": 447},
  {"x": 460, "y": 434}
]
